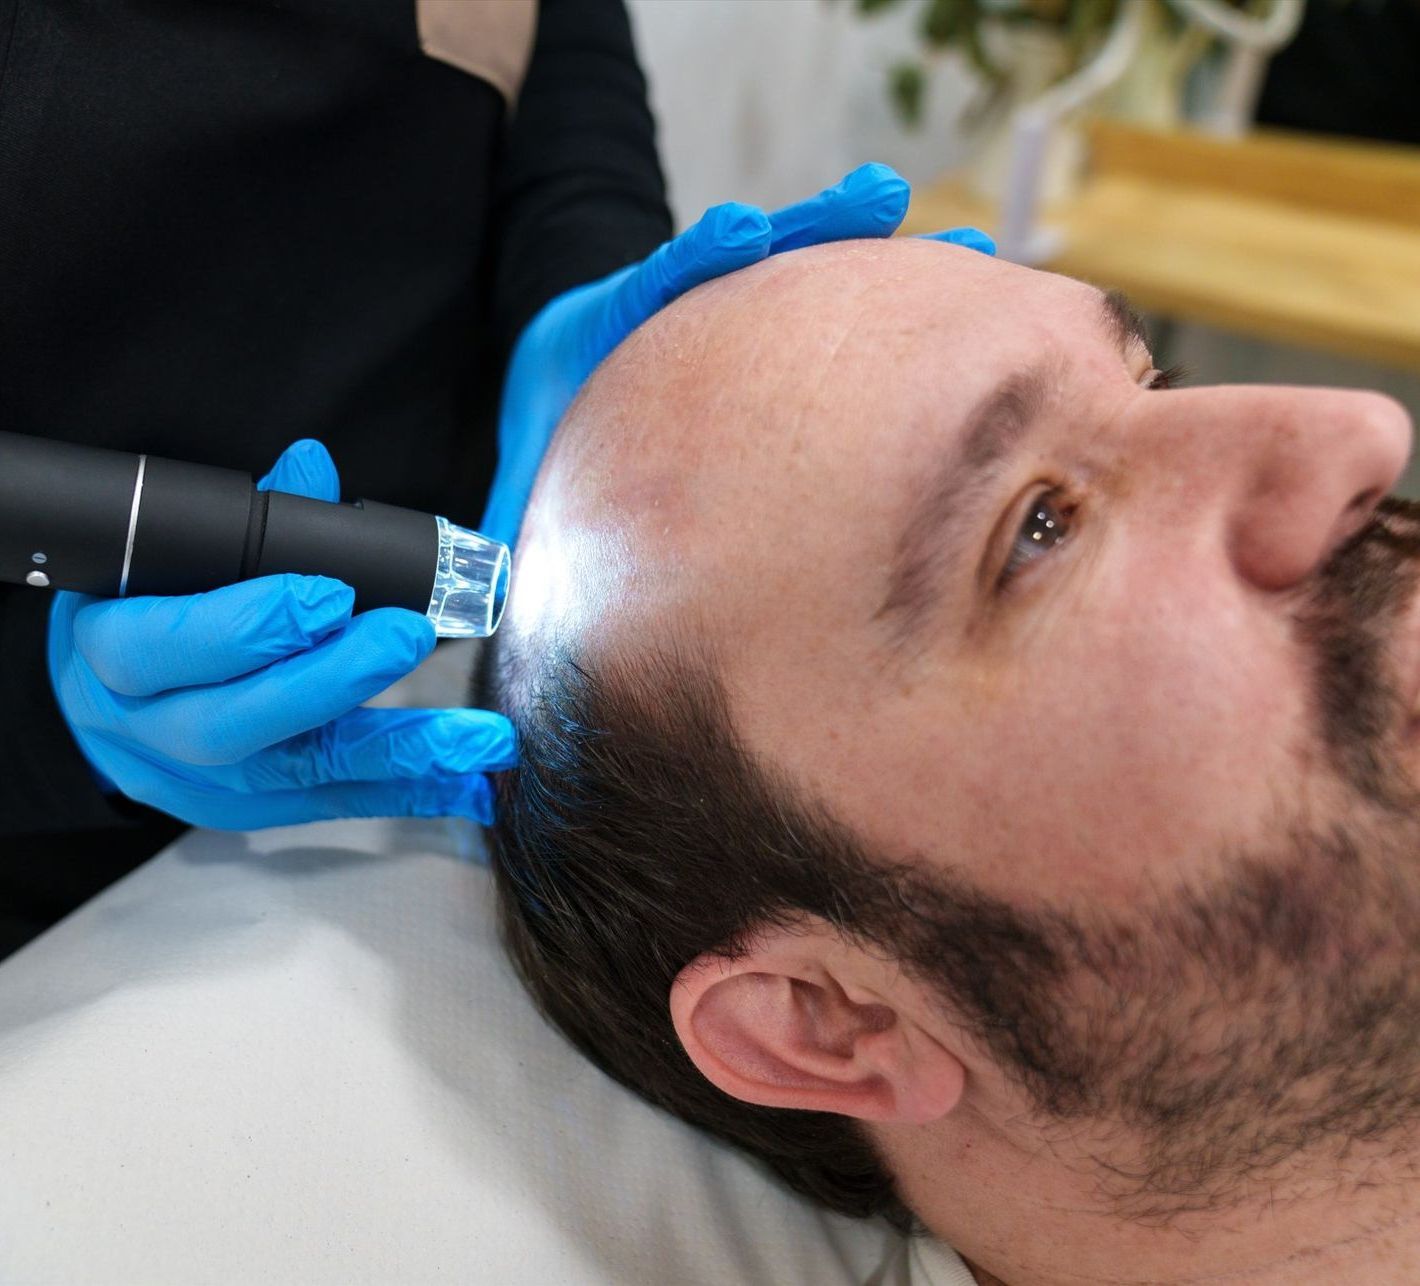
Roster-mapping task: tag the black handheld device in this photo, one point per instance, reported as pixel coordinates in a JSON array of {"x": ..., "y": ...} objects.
[{"x": 118, "y": 525}]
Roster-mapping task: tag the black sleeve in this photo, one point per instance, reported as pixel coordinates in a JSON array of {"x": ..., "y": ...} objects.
[
  {"x": 61, "y": 839},
  {"x": 580, "y": 190},
  {"x": 45, "y": 780}
]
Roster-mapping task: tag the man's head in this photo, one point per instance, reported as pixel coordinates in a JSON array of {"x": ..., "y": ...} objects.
[{"x": 943, "y": 748}]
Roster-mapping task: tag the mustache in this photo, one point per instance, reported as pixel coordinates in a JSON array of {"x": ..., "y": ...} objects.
[
  {"x": 1369, "y": 576},
  {"x": 1395, "y": 525},
  {"x": 1358, "y": 597}
]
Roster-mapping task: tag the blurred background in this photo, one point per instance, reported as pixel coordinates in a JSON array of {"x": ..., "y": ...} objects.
[{"x": 1247, "y": 170}]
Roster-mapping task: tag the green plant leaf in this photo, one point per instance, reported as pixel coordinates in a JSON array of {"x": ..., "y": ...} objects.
[
  {"x": 907, "y": 85},
  {"x": 942, "y": 21}
]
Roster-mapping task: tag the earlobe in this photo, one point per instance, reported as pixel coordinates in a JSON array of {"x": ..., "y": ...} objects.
[{"x": 781, "y": 1028}]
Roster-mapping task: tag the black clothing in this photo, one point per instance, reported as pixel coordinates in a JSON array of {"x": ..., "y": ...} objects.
[{"x": 225, "y": 226}]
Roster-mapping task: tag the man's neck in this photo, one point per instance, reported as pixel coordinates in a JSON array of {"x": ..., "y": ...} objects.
[{"x": 1033, "y": 1222}]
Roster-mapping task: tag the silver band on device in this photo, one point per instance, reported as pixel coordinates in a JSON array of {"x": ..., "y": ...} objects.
[{"x": 132, "y": 525}]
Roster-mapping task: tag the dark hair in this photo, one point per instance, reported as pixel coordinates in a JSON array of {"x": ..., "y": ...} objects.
[{"x": 637, "y": 834}]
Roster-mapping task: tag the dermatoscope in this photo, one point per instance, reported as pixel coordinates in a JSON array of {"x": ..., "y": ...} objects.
[{"x": 119, "y": 525}]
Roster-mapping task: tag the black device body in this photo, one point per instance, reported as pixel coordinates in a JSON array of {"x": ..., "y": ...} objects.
[{"x": 116, "y": 524}]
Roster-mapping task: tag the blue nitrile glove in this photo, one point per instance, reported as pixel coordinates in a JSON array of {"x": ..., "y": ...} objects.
[
  {"x": 563, "y": 344},
  {"x": 237, "y": 709}
]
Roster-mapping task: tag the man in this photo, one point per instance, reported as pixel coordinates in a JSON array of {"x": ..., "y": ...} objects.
[{"x": 978, "y": 780}]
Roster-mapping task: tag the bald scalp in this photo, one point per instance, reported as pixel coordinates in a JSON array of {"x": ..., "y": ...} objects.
[
  {"x": 696, "y": 440},
  {"x": 757, "y": 342}
]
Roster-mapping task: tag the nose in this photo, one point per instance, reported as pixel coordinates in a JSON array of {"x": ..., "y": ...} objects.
[{"x": 1304, "y": 469}]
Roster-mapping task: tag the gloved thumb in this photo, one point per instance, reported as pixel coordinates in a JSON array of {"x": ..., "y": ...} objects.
[
  {"x": 304, "y": 469},
  {"x": 971, "y": 238}
]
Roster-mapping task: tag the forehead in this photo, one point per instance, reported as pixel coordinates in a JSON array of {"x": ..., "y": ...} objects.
[{"x": 740, "y": 464}]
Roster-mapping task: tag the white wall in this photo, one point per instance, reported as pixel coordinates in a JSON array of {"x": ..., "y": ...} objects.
[{"x": 769, "y": 100}]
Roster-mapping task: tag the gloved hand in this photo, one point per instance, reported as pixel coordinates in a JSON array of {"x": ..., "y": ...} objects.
[
  {"x": 237, "y": 709},
  {"x": 563, "y": 344}
]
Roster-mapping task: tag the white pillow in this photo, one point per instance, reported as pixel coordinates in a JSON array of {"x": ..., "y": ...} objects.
[{"x": 300, "y": 1056}]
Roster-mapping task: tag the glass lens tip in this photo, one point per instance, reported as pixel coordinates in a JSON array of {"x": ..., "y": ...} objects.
[{"x": 470, "y": 583}]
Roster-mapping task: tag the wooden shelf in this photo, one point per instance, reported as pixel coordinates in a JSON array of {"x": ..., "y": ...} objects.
[{"x": 1290, "y": 238}]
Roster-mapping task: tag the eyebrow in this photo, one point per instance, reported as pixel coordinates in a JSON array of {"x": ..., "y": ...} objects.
[
  {"x": 1125, "y": 325},
  {"x": 938, "y": 527}
]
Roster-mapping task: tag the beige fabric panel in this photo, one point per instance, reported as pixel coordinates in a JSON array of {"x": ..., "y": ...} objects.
[{"x": 490, "y": 39}]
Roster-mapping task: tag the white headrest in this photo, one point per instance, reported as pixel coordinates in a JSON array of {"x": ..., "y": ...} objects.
[{"x": 299, "y": 1056}]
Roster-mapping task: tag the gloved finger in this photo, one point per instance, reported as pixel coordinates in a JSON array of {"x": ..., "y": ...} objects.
[
  {"x": 378, "y": 745},
  {"x": 304, "y": 469},
  {"x": 142, "y": 646},
  {"x": 439, "y": 796},
  {"x": 868, "y": 202},
  {"x": 228, "y": 722},
  {"x": 971, "y": 238},
  {"x": 724, "y": 238}
]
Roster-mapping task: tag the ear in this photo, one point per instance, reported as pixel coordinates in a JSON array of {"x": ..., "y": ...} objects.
[{"x": 807, "y": 1020}]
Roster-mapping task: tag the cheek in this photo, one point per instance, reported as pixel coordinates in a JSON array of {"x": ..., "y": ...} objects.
[{"x": 1145, "y": 737}]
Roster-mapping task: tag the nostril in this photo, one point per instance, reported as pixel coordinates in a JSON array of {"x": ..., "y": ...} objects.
[
  {"x": 1365, "y": 502},
  {"x": 1359, "y": 513}
]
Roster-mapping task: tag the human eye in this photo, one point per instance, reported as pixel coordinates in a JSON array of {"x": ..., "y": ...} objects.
[
  {"x": 1167, "y": 378},
  {"x": 1046, "y": 525}
]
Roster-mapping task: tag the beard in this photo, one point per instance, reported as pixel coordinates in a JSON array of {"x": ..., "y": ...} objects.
[{"x": 1228, "y": 1033}]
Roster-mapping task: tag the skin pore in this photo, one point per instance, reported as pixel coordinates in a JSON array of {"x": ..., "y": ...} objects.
[{"x": 1134, "y": 668}]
